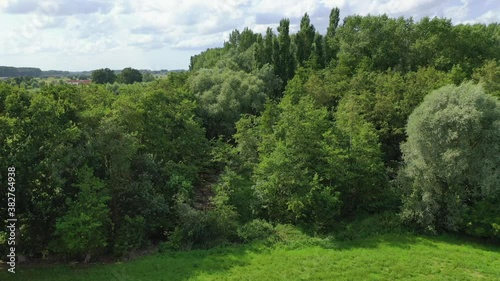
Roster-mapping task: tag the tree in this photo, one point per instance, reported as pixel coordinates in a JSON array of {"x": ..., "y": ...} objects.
[
  {"x": 269, "y": 40},
  {"x": 317, "y": 56},
  {"x": 305, "y": 39},
  {"x": 374, "y": 43},
  {"x": 83, "y": 229},
  {"x": 360, "y": 177},
  {"x": 43, "y": 148},
  {"x": 129, "y": 76},
  {"x": 103, "y": 76},
  {"x": 284, "y": 62},
  {"x": 331, "y": 44},
  {"x": 148, "y": 77},
  {"x": 334, "y": 22},
  {"x": 489, "y": 76},
  {"x": 451, "y": 157},
  {"x": 434, "y": 44},
  {"x": 292, "y": 179},
  {"x": 224, "y": 96}
]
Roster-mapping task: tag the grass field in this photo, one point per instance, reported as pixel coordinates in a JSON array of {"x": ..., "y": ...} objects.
[{"x": 385, "y": 257}]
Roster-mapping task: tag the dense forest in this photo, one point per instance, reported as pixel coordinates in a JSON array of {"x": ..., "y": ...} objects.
[
  {"x": 8, "y": 71},
  {"x": 389, "y": 118}
]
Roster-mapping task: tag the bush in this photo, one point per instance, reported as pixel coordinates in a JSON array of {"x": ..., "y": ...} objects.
[
  {"x": 203, "y": 229},
  {"x": 130, "y": 236},
  {"x": 383, "y": 223},
  {"x": 236, "y": 190},
  {"x": 483, "y": 219},
  {"x": 256, "y": 230}
]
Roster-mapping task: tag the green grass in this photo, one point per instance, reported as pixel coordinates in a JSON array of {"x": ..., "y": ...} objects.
[{"x": 385, "y": 257}]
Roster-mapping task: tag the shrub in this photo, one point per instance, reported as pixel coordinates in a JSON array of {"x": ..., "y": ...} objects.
[
  {"x": 383, "y": 223},
  {"x": 483, "y": 219},
  {"x": 256, "y": 230},
  {"x": 203, "y": 229},
  {"x": 130, "y": 236}
]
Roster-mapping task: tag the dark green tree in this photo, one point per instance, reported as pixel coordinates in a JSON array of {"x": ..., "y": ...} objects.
[
  {"x": 129, "y": 76},
  {"x": 284, "y": 62},
  {"x": 84, "y": 229},
  {"x": 224, "y": 96},
  {"x": 269, "y": 40},
  {"x": 331, "y": 43},
  {"x": 292, "y": 179},
  {"x": 103, "y": 76},
  {"x": 305, "y": 39},
  {"x": 148, "y": 77},
  {"x": 489, "y": 76}
]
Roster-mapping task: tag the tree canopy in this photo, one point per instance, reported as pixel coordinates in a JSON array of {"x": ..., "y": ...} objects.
[
  {"x": 451, "y": 157},
  {"x": 376, "y": 116},
  {"x": 103, "y": 76}
]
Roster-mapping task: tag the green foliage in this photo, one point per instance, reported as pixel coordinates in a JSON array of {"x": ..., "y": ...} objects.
[
  {"x": 171, "y": 134},
  {"x": 489, "y": 76},
  {"x": 283, "y": 57},
  {"x": 145, "y": 138},
  {"x": 361, "y": 180},
  {"x": 313, "y": 155},
  {"x": 310, "y": 166},
  {"x": 451, "y": 157},
  {"x": 331, "y": 41},
  {"x": 130, "y": 235},
  {"x": 305, "y": 39},
  {"x": 236, "y": 190},
  {"x": 148, "y": 77},
  {"x": 129, "y": 76},
  {"x": 225, "y": 95},
  {"x": 373, "y": 225},
  {"x": 384, "y": 99},
  {"x": 84, "y": 228},
  {"x": 256, "y": 230},
  {"x": 285, "y": 173},
  {"x": 203, "y": 229},
  {"x": 103, "y": 76},
  {"x": 374, "y": 42},
  {"x": 9, "y": 71},
  {"x": 241, "y": 41},
  {"x": 483, "y": 219},
  {"x": 457, "y": 75},
  {"x": 207, "y": 59},
  {"x": 41, "y": 148}
]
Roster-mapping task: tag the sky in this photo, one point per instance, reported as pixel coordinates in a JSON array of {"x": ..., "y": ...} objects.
[{"x": 77, "y": 35}]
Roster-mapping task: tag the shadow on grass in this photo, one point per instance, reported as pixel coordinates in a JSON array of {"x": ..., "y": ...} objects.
[
  {"x": 407, "y": 240},
  {"x": 184, "y": 265},
  {"x": 170, "y": 266}
]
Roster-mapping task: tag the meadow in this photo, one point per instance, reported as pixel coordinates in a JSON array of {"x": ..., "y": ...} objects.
[{"x": 382, "y": 257}]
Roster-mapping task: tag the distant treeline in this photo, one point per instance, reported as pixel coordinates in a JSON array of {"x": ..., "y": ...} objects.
[
  {"x": 60, "y": 73},
  {"x": 9, "y": 71}
]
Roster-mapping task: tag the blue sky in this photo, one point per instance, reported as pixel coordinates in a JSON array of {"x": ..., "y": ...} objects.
[{"x": 163, "y": 34}]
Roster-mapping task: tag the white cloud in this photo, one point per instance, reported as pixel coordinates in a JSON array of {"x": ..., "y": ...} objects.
[
  {"x": 287, "y": 8},
  {"x": 488, "y": 17},
  {"x": 334, "y": 3},
  {"x": 56, "y": 7},
  {"x": 457, "y": 13},
  {"x": 80, "y": 28}
]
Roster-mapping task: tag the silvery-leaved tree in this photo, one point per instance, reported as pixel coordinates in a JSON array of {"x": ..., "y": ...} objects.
[{"x": 452, "y": 160}]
